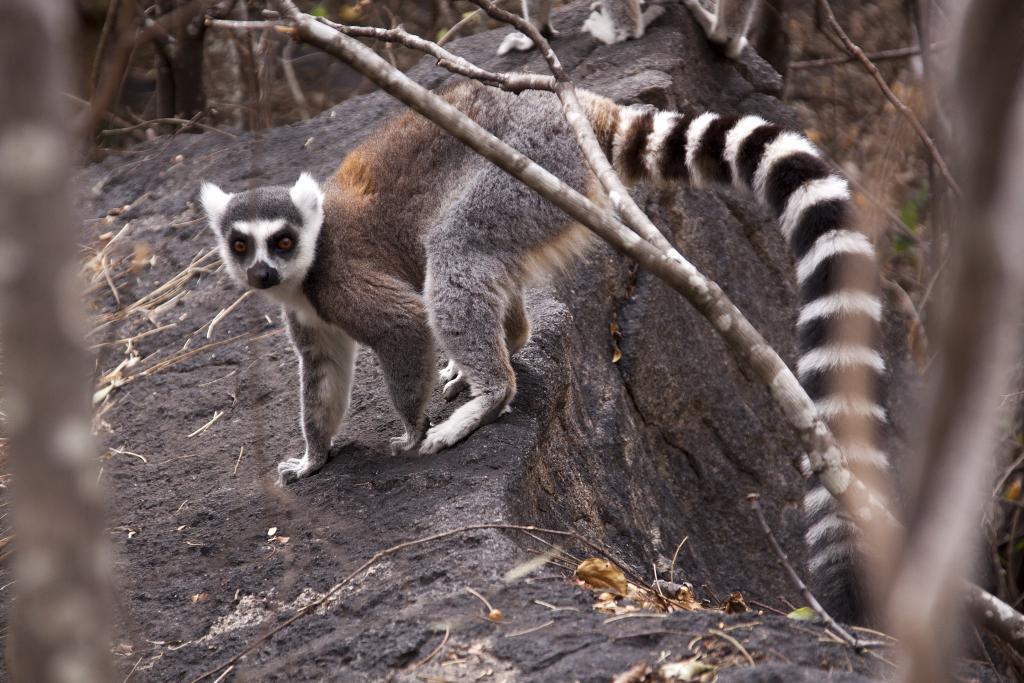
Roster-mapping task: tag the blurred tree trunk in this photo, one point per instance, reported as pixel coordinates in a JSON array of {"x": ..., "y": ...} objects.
[
  {"x": 59, "y": 622},
  {"x": 179, "y": 64},
  {"x": 979, "y": 343}
]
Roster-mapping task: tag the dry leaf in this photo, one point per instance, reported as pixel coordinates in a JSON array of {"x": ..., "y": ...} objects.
[
  {"x": 142, "y": 256},
  {"x": 616, "y": 353},
  {"x": 690, "y": 670},
  {"x": 802, "y": 614},
  {"x": 1012, "y": 492},
  {"x": 602, "y": 574},
  {"x": 200, "y": 597},
  {"x": 735, "y": 604},
  {"x": 638, "y": 673}
]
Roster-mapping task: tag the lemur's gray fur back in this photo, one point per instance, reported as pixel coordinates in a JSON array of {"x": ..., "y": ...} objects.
[{"x": 418, "y": 245}]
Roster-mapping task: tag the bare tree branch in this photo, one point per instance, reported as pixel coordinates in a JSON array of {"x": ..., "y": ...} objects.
[
  {"x": 881, "y": 55},
  {"x": 60, "y": 619},
  {"x": 513, "y": 82},
  {"x": 451, "y": 33}
]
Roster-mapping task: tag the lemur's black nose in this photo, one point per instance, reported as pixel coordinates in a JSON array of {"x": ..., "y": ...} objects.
[{"x": 262, "y": 276}]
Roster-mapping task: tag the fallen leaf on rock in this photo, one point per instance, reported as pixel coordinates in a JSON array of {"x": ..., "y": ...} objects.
[
  {"x": 735, "y": 604},
  {"x": 802, "y": 614},
  {"x": 601, "y": 574},
  {"x": 606, "y": 603},
  {"x": 1013, "y": 491},
  {"x": 638, "y": 673},
  {"x": 689, "y": 670},
  {"x": 200, "y": 597}
]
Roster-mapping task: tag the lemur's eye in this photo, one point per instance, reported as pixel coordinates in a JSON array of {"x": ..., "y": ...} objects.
[
  {"x": 238, "y": 246},
  {"x": 285, "y": 243}
]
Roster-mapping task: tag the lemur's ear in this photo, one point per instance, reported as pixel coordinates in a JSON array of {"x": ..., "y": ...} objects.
[
  {"x": 308, "y": 198},
  {"x": 215, "y": 203}
]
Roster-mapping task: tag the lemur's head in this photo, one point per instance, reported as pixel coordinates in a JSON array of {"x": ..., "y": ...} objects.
[{"x": 267, "y": 236}]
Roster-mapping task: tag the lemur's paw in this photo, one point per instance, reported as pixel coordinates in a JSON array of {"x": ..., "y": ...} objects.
[
  {"x": 434, "y": 443},
  {"x": 520, "y": 42},
  {"x": 294, "y": 469},
  {"x": 735, "y": 46},
  {"x": 454, "y": 387},
  {"x": 440, "y": 437},
  {"x": 602, "y": 27},
  {"x": 405, "y": 443},
  {"x": 449, "y": 373}
]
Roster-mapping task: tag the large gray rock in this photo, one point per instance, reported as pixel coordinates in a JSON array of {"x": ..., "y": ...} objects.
[{"x": 637, "y": 455}]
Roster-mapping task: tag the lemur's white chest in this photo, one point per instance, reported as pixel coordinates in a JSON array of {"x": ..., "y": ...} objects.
[{"x": 295, "y": 301}]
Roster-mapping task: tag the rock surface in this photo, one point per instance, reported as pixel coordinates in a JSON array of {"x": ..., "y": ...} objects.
[{"x": 637, "y": 455}]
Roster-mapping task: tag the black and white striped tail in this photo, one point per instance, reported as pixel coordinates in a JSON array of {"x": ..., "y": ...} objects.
[{"x": 835, "y": 270}]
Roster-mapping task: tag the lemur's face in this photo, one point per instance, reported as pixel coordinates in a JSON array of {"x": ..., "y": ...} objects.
[{"x": 267, "y": 236}]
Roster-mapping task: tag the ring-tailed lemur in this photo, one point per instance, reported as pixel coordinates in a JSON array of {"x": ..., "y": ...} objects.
[
  {"x": 614, "y": 21},
  {"x": 417, "y": 242}
]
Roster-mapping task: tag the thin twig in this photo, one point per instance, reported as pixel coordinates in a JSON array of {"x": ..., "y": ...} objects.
[
  {"x": 293, "y": 82},
  {"x": 881, "y": 55},
  {"x": 732, "y": 641},
  {"x": 237, "y": 25},
  {"x": 461, "y": 24},
  {"x": 167, "y": 120},
  {"x": 754, "y": 500},
  {"x": 433, "y": 653},
  {"x": 915, "y": 123},
  {"x": 224, "y": 312},
  {"x": 481, "y": 598},
  {"x": 672, "y": 569},
  {"x": 513, "y": 82}
]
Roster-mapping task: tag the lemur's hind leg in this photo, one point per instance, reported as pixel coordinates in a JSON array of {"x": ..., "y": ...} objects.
[
  {"x": 517, "y": 333},
  {"x": 728, "y": 26},
  {"x": 517, "y": 324},
  {"x": 467, "y": 312}
]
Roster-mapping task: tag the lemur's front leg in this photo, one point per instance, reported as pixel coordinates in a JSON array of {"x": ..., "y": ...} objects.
[
  {"x": 396, "y": 329},
  {"x": 728, "y": 26},
  {"x": 326, "y": 365}
]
